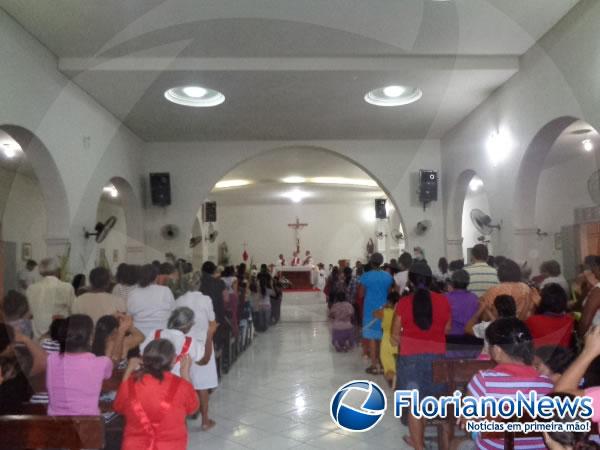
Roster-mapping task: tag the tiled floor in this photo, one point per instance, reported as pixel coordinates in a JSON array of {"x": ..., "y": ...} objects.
[{"x": 277, "y": 394}]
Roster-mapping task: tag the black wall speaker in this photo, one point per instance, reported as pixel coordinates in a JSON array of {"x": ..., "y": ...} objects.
[
  {"x": 428, "y": 186},
  {"x": 210, "y": 211},
  {"x": 380, "y": 212},
  {"x": 160, "y": 189}
]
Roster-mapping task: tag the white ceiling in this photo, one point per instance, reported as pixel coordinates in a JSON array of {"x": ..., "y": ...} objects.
[
  {"x": 266, "y": 171},
  {"x": 569, "y": 144},
  {"x": 290, "y": 69}
]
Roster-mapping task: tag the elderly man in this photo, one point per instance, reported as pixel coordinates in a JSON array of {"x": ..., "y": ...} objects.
[{"x": 50, "y": 297}]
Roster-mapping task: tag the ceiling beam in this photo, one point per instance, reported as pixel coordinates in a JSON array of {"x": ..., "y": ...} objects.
[{"x": 366, "y": 63}]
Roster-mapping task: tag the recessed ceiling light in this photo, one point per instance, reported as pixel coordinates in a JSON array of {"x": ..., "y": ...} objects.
[
  {"x": 394, "y": 91},
  {"x": 294, "y": 179},
  {"x": 231, "y": 183},
  {"x": 194, "y": 91},
  {"x": 194, "y": 96},
  {"x": 394, "y": 95},
  {"x": 588, "y": 145}
]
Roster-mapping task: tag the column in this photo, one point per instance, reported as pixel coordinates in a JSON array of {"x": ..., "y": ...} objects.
[{"x": 525, "y": 246}]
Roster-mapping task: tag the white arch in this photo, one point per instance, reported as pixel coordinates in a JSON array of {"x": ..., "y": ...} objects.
[
  {"x": 312, "y": 147},
  {"x": 531, "y": 168},
  {"x": 51, "y": 183}
]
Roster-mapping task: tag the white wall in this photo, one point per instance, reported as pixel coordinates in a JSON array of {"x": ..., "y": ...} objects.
[
  {"x": 335, "y": 231},
  {"x": 557, "y": 199},
  {"x": 87, "y": 146},
  {"x": 196, "y": 167},
  {"x": 558, "y": 77},
  {"x": 22, "y": 213}
]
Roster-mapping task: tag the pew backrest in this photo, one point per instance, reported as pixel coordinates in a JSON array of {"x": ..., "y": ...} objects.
[
  {"x": 43, "y": 432},
  {"x": 456, "y": 373}
]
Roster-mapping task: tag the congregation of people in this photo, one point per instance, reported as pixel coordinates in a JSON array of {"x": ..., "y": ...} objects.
[
  {"x": 539, "y": 333},
  {"x": 164, "y": 332}
]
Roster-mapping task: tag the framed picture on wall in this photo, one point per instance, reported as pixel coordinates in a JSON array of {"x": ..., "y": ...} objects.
[{"x": 25, "y": 251}]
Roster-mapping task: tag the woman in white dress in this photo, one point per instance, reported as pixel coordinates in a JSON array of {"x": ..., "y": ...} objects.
[
  {"x": 149, "y": 304},
  {"x": 204, "y": 377}
]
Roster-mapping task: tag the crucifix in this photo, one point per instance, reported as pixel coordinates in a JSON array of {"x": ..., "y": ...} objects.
[{"x": 297, "y": 227}]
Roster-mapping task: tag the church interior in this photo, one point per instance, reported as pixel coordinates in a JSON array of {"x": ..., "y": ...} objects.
[{"x": 280, "y": 160}]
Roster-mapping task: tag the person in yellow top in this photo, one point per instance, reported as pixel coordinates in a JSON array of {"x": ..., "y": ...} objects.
[{"x": 387, "y": 351}]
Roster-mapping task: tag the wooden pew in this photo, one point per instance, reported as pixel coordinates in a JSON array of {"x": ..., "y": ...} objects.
[
  {"x": 42, "y": 432},
  {"x": 455, "y": 374}
]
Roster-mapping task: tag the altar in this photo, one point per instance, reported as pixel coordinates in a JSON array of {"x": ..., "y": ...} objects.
[{"x": 300, "y": 277}]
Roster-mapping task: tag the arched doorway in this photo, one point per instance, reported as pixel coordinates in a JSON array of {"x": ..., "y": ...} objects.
[
  {"x": 557, "y": 196},
  {"x": 33, "y": 204},
  {"x": 262, "y": 196}
]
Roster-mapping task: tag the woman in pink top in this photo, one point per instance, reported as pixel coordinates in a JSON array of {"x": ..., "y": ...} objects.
[{"x": 74, "y": 376}]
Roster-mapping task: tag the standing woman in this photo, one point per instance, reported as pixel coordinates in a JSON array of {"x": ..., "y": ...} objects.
[
  {"x": 422, "y": 320},
  {"x": 150, "y": 304},
  {"x": 204, "y": 378},
  {"x": 126, "y": 280},
  {"x": 155, "y": 402}
]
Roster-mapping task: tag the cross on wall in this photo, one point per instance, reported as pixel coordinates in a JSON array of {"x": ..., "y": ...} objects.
[{"x": 297, "y": 226}]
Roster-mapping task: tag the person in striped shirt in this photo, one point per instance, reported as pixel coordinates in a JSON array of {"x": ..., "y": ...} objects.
[
  {"x": 482, "y": 276},
  {"x": 511, "y": 347}
]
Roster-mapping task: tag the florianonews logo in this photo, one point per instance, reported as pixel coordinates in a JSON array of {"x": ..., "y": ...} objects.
[{"x": 366, "y": 416}]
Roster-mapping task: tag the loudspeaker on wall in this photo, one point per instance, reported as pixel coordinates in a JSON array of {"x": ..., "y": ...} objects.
[
  {"x": 428, "y": 186},
  {"x": 160, "y": 189},
  {"x": 380, "y": 212},
  {"x": 210, "y": 212}
]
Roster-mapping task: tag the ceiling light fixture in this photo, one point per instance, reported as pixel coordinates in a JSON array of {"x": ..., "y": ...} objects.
[
  {"x": 588, "y": 145},
  {"x": 394, "y": 95},
  {"x": 194, "y": 96},
  {"x": 294, "y": 179},
  {"x": 394, "y": 91},
  {"x": 232, "y": 183},
  {"x": 296, "y": 195},
  {"x": 111, "y": 190}
]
